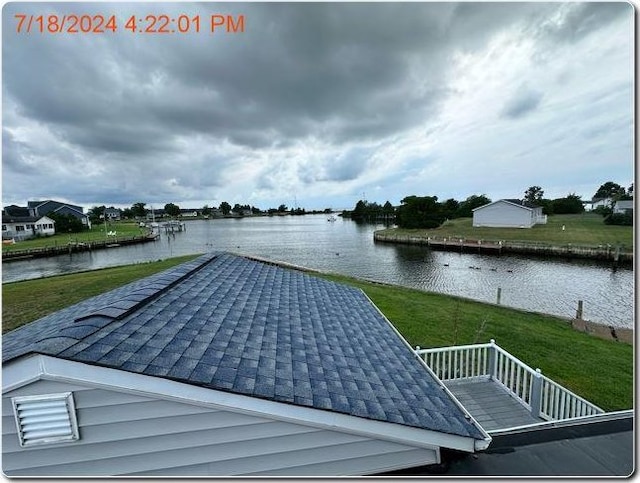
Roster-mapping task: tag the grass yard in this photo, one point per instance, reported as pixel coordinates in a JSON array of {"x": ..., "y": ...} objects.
[
  {"x": 586, "y": 229},
  {"x": 26, "y": 301},
  {"x": 599, "y": 370},
  {"x": 97, "y": 232}
]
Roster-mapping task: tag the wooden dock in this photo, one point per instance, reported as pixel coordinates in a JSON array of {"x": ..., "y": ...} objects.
[
  {"x": 465, "y": 245},
  {"x": 76, "y": 247}
]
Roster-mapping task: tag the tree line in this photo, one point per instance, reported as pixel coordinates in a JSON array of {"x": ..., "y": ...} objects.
[
  {"x": 139, "y": 210},
  {"x": 427, "y": 212}
]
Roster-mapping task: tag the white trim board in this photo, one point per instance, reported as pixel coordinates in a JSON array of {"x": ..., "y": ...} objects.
[{"x": 27, "y": 369}]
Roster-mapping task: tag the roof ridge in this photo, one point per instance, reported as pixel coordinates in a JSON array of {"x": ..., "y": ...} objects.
[{"x": 132, "y": 302}]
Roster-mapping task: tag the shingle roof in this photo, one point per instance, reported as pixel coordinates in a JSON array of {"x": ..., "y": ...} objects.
[
  {"x": 526, "y": 204},
  {"x": 20, "y": 219},
  {"x": 229, "y": 323}
]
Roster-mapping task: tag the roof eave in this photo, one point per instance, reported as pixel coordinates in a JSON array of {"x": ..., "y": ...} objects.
[
  {"x": 33, "y": 367},
  {"x": 480, "y": 444}
]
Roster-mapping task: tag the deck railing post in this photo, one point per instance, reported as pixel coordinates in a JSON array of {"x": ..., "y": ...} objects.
[
  {"x": 493, "y": 359},
  {"x": 536, "y": 394}
]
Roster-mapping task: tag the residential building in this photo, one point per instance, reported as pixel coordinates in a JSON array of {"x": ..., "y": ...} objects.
[
  {"x": 24, "y": 228},
  {"x": 41, "y": 208},
  {"x": 597, "y": 203},
  {"x": 623, "y": 206},
  {"x": 509, "y": 213},
  {"x": 224, "y": 366},
  {"x": 113, "y": 214}
]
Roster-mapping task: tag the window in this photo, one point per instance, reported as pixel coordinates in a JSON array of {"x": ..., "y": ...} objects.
[
  {"x": 4, "y": 227},
  {"x": 19, "y": 227},
  {"x": 49, "y": 418}
]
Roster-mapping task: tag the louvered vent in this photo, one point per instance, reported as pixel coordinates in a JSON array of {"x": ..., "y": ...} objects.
[{"x": 44, "y": 419}]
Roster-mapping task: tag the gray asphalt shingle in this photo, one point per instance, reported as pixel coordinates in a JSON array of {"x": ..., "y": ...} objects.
[{"x": 230, "y": 323}]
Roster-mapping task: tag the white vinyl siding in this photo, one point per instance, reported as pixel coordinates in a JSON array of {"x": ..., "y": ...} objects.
[
  {"x": 129, "y": 434},
  {"x": 503, "y": 214}
]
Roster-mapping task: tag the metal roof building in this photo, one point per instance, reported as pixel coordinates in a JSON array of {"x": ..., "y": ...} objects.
[{"x": 223, "y": 366}]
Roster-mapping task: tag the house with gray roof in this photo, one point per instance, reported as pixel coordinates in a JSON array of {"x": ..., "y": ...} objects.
[
  {"x": 508, "y": 213},
  {"x": 42, "y": 208},
  {"x": 18, "y": 224},
  {"x": 223, "y": 366}
]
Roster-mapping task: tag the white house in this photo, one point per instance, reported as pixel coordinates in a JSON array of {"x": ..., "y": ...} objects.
[
  {"x": 508, "y": 213},
  {"x": 598, "y": 203},
  {"x": 173, "y": 376},
  {"x": 21, "y": 228},
  {"x": 623, "y": 206}
]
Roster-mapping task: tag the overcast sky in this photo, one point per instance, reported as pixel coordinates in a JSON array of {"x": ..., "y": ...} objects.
[{"x": 319, "y": 104}]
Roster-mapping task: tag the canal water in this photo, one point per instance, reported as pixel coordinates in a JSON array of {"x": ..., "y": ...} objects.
[{"x": 551, "y": 286}]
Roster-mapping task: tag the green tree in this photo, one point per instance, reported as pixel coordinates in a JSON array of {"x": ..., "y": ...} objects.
[
  {"x": 96, "y": 214},
  {"x": 206, "y": 211},
  {"x": 533, "y": 194},
  {"x": 610, "y": 190},
  {"x": 420, "y": 212},
  {"x": 127, "y": 213},
  {"x": 66, "y": 223},
  {"x": 624, "y": 219},
  {"x": 572, "y": 203},
  {"x": 225, "y": 208},
  {"x": 171, "y": 209},
  {"x": 238, "y": 209},
  {"x": 450, "y": 208},
  {"x": 466, "y": 207},
  {"x": 139, "y": 210},
  {"x": 282, "y": 208},
  {"x": 369, "y": 212},
  {"x": 547, "y": 206}
]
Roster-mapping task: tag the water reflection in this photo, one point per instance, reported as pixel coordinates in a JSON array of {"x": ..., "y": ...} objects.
[{"x": 550, "y": 286}]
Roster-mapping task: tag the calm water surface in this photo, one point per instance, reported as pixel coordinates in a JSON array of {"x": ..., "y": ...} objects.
[{"x": 550, "y": 286}]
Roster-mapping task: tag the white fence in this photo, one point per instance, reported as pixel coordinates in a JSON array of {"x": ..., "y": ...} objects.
[{"x": 542, "y": 396}]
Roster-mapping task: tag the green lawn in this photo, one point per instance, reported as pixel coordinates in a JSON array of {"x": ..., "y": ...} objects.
[
  {"x": 29, "y": 300},
  {"x": 597, "y": 369},
  {"x": 97, "y": 232},
  {"x": 586, "y": 229}
]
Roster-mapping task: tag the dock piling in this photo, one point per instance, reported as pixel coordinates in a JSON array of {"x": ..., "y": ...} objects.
[{"x": 579, "y": 310}]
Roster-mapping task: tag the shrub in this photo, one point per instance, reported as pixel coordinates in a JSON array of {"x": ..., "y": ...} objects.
[{"x": 624, "y": 219}]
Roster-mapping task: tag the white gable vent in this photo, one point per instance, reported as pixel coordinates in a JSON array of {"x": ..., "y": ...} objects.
[{"x": 49, "y": 418}]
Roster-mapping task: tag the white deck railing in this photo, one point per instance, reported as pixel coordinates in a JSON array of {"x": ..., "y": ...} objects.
[{"x": 545, "y": 398}]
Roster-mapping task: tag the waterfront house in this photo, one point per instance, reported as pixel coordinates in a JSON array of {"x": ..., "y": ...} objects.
[
  {"x": 508, "y": 213},
  {"x": 113, "y": 214},
  {"x": 623, "y": 206},
  {"x": 18, "y": 224},
  {"x": 42, "y": 208},
  {"x": 223, "y": 366},
  {"x": 188, "y": 213},
  {"x": 26, "y": 227},
  {"x": 597, "y": 203}
]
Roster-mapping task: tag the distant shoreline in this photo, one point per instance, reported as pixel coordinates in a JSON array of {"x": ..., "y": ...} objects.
[{"x": 608, "y": 252}]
